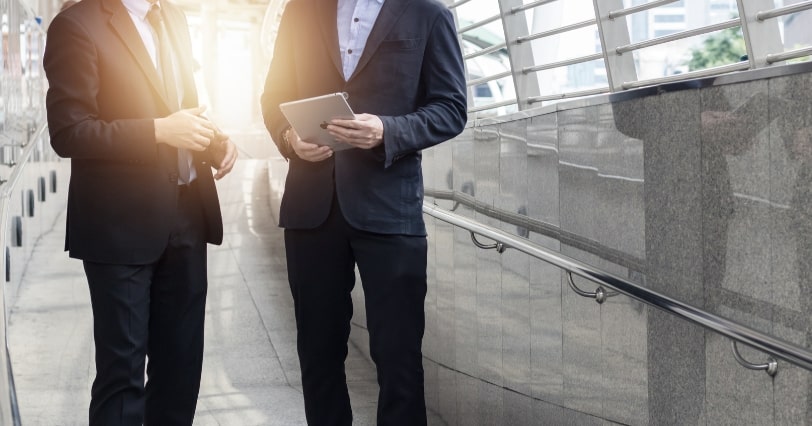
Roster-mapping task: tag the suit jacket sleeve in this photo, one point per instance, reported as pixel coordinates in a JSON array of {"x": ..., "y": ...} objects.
[
  {"x": 443, "y": 115},
  {"x": 77, "y": 131},
  {"x": 280, "y": 84}
]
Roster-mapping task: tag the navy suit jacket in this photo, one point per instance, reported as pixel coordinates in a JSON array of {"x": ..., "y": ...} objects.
[
  {"x": 410, "y": 74},
  {"x": 104, "y": 93}
]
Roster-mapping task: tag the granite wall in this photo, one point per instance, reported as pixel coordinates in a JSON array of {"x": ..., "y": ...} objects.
[{"x": 700, "y": 190}]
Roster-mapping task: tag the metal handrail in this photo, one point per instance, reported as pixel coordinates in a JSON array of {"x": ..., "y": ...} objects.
[
  {"x": 457, "y": 4},
  {"x": 480, "y": 52},
  {"x": 559, "y": 30},
  {"x": 493, "y": 105},
  {"x": 488, "y": 78},
  {"x": 707, "y": 72},
  {"x": 786, "y": 10},
  {"x": 531, "y": 5},
  {"x": 789, "y": 54},
  {"x": 588, "y": 92},
  {"x": 564, "y": 63},
  {"x": 787, "y": 351},
  {"x": 478, "y": 24},
  {"x": 732, "y": 23},
  {"x": 639, "y": 8},
  {"x": 521, "y": 221}
]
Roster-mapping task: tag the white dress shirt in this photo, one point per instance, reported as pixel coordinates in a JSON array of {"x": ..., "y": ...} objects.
[
  {"x": 138, "y": 10},
  {"x": 138, "y": 13}
]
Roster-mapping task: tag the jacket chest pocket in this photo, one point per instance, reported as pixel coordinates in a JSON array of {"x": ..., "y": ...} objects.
[{"x": 401, "y": 44}]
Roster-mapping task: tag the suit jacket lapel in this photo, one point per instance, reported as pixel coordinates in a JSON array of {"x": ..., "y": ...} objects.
[
  {"x": 389, "y": 14},
  {"x": 181, "y": 45},
  {"x": 328, "y": 11},
  {"x": 123, "y": 26}
]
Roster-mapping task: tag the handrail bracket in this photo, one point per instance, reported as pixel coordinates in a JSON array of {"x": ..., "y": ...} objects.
[
  {"x": 770, "y": 367},
  {"x": 499, "y": 246},
  {"x": 600, "y": 294}
]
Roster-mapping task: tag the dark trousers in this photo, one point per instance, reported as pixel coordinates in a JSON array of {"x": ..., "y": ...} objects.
[
  {"x": 321, "y": 271},
  {"x": 153, "y": 310}
]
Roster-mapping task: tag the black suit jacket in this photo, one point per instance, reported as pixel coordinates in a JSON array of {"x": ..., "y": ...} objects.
[
  {"x": 410, "y": 75},
  {"x": 104, "y": 93}
]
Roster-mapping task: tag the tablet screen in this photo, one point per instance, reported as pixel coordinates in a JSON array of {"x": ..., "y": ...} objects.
[{"x": 310, "y": 116}]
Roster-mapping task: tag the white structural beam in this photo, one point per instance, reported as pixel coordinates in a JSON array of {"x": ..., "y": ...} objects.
[
  {"x": 761, "y": 37},
  {"x": 614, "y": 32},
  {"x": 521, "y": 54}
]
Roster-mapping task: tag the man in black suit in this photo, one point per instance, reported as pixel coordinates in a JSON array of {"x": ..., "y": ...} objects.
[
  {"x": 400, "y": 63},
  {"x": 142, "y": 203}
]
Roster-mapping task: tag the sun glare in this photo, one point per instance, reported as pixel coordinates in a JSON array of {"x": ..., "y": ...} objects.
[{"x": 226, "y": 78}]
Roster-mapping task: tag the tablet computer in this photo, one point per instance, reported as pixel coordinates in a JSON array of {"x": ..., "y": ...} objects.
[{"x": 309, "y": 117}]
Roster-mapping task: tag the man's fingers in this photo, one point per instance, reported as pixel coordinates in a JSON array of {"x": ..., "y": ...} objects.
[
  {"x": 301, "y": 147},
  {"x": 347, "y": 124},
  {"x": 319, "y": 154},
  {"x": 198, "y": 142},
  {"x": 196, "y": 110},
  {"x": 222, "y": 172},
  {"x": 310, "y": 151},
  {"x": 206, "y": 125},
  {"x": 220, "y": 136},
  {"x": 323, "y": 156},
  {"x": 226, "y": 163},
  {"x": 225, "y": 168}
]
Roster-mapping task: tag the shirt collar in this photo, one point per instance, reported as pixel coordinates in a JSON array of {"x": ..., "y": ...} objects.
[{"x": 138, "y": 8}]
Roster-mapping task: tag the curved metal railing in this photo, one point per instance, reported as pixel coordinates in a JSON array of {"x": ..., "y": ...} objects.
[
  {"x": 9, "y": 412},
  {"x": 787, "y": 351}
]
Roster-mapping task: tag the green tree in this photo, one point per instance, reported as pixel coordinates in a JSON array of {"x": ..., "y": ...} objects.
[{"x": 722, "y": 48}]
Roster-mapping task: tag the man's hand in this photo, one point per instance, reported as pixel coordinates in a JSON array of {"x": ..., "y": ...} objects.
[
  {"x": 308, "y": 151},
  {"x": 223, "y": 155},
  {"x": 185, "y": 129},
  {"x": 365, "y": 132}
]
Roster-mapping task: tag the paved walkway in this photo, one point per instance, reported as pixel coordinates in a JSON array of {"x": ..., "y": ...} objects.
[{"x": 250, "y": 373}]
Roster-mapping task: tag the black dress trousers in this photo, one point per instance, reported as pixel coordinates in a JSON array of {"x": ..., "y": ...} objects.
[{"x": 155, "y": 310}]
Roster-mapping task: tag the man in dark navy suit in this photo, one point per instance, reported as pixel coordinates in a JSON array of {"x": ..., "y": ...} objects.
[
  {"x": 400, "y": 63},
  {"x": 142, "y": 203}
]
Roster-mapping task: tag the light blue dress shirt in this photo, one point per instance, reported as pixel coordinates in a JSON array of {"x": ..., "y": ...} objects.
[{"x": 355, "y": 19}]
